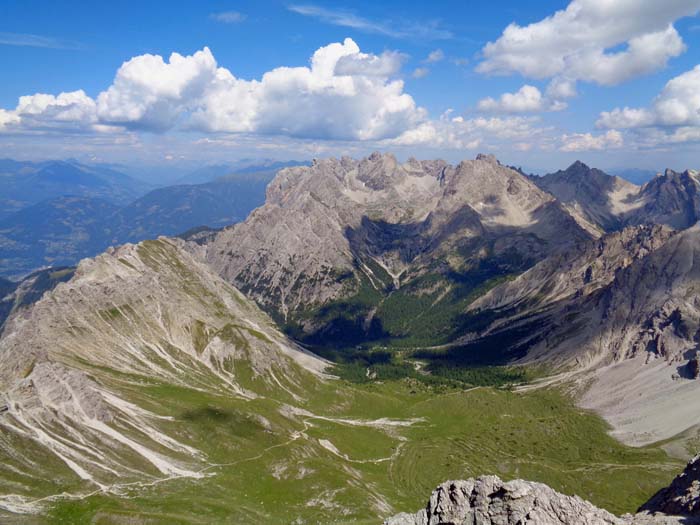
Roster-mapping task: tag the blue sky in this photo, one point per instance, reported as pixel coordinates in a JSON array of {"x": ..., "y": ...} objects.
[{"x": 417, "y": 79}]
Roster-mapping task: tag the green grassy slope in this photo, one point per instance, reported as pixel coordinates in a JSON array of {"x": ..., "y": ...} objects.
[{"x": 268, "y": 468}]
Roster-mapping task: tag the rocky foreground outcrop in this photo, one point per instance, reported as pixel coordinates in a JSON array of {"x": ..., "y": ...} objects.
[
  {"x": 490, "y": 501},
  {"x": 682, "y": 496}
]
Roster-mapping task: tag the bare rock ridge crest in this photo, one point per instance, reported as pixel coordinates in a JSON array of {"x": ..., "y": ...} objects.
[
  {"x": 490, "y": 501},
  {"x": 618, "y": 316},
  {"x": 382, "y": 224},
  {"x": 610, "y": 203}
]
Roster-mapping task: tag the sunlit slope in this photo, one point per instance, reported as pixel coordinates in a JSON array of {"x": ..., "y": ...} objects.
[
  {"x": 141, "y": 315},
  {"x": 358, "y": 453},
  {"x": 147, "y": 390}
]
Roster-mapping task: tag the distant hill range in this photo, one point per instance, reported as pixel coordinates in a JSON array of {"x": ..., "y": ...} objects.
[
  {"x": 23, "y": 184},
  {"x": 77, "y": 211}
]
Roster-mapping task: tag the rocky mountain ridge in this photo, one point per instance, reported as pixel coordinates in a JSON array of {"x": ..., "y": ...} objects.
[
  {"x": 670, "y": 198},
  {"x": 578, "y": 271},
  {"x": 427, "y": 237},
  {"x": 606, "y": 203},
  {"x": 16, "y": 296},
  {"x": 619, "y": 316},
  {"x": 380, "y": 225},
  {"x": 136, "y": 315},
  {"x": 642, "y": 336},
  {"x": 596, "y": 198},
  {"x": 114, "y": 377}
]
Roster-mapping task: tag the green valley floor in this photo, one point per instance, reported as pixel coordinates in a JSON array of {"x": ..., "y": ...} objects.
[{"x": 357, "y": 453}]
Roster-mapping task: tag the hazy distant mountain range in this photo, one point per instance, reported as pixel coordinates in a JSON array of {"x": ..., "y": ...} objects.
[
  {"x": 169, "y": 174},
  {"x": 243, "y": 167},
  {"x": 67, "y": 211},
  {"x": 25, "y": 183}
]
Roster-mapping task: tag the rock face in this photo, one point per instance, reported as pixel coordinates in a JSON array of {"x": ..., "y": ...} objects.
[
  {"x": 328, "y": 231},
  {"x": 490, "y": 501},
  {"x": 576, "y": 272},
  {"x": 532, "y": 316},
  {"x": 594, "y": 197},
  {"x": 682, "y": 496},
  {"x": 16, "y": 296},
  {"x": 605, "y": 203},
  {"x": 640, "y": 335},
  {"x": 623, "y": 316},
  {"x": 671, "y": 198}
]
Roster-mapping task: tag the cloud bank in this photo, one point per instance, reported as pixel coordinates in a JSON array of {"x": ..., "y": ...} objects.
[
  {"x": 678, "y": 104},
  {"x": 601, "y": 41},
  {"x": 673, "y": 117},
  {"x": 343, "y": 94},
  {"x": 528, "y": 99}
]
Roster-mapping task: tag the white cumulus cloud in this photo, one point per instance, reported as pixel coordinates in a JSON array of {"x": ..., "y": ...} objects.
[
  {"x": 68, "y": 111},
  {"x": 320, "y": 101},
  {"x": 526, "y": 99},
  {"x": 673, "y": 117},
  {"x": 625, "y": 118},
  {"x": 437, "y": 55},
  {"x": 461, "y": 133},
  {"x": 678, "y": 104},
  {"x": 578, "y": 43},
  {"x": 561, "y": 88},
  {"x": 420, "y": 72},
  {"x": 586, "y": 141},
  {"x": 385, "y": 65},
  {"x": 7, "y": 119},
  {"x": 150, "y": 93},
  {"x": 343, "y": 94}
]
